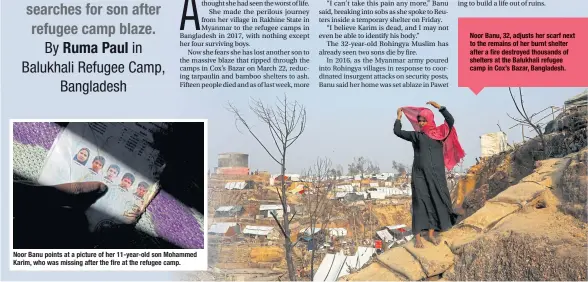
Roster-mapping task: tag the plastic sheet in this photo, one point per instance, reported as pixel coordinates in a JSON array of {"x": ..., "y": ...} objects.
[{"x": 493, "y": 143}]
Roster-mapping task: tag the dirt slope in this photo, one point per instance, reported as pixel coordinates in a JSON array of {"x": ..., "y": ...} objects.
[{"x": 519, "y": 234}]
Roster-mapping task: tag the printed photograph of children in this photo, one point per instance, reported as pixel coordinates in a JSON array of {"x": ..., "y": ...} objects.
[
  {"x": 97, "y": 164},
  {"x": 108, "y": 185},
  {"x": 141, "y": 189},
  {"x": 82, "y": 156},
  {"x": 127, "y": 181},
  {"x": 111, "y": 173}
]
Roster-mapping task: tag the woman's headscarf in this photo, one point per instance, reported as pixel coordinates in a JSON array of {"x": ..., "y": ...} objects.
[
  {"x": 452, "y": 150},
  {"x": 75, "y": 158}
]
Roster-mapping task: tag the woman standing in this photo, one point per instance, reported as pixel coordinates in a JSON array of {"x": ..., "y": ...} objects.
[{"x": 436, "y": 148}]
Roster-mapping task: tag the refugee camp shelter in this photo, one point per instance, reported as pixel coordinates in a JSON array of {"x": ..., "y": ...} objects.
[
  {"x": 318, "y": 238},
  {"x": 268, "y": 210},
  {"x": 354, "y": 197},
  {"x": 229, "y": 211},
  {"x": 340, "y": 195},
  {"x": 344, "y": 188},
  {"x": 237, "y": 185},
  {"x": 309, "y": 231},
  {"x": 332, "y": 232},
  {"x": 264, "y": 232},
  {"x": 337, "y": 232},
  {"x": 225, "y": 229},
  {"x": 377, "y": 195}
]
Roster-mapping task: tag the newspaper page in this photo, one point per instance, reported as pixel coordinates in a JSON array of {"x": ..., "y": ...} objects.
[{"x": 303, "y": 132}]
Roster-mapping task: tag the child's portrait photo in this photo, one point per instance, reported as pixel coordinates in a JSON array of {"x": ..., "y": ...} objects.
[
  {"x": 112, "y": 173},
  {"x": 127, "y": 181}
]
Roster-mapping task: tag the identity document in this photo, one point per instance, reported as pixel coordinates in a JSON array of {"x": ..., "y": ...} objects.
[{"x": 120, "y": 155}]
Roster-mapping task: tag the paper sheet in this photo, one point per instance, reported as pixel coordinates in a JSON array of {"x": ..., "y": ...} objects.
[{"x": 118, "y": 154}]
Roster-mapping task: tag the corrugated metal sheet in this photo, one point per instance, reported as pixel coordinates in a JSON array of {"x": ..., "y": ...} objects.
[
  {"x": 221, "y": 227},
  {"x": 308, "y": 230},
  {"x": 338, "y": 231},
  {"x": 361, "y": 257},
  {"x": 385, "y": 235},
  {"x": 236, "y": 185},
  {"x": 335, "y": 266},
  {"x": 377, "y": 194},
  {"x": 258, "y": 230},
  {"x": 272, "y": 207},
  {"x": 229, "y": 208},
  {"x": 398, "y": 226},
  {"x": 331, "y": 268},
  {"x": 294, "y": 177},
  {"x": 224, "y": 208},
  {"x": 394, "y": 191},
  {"x": 345, "y": 188}
]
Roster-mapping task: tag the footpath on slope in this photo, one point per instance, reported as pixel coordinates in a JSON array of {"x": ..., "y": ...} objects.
[{"x": 517, "y": 235}]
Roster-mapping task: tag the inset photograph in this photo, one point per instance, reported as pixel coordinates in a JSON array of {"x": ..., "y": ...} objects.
[{"x": 108, "y": 184}]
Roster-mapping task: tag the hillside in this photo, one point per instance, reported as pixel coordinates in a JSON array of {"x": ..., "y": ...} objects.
[
  {"x": 526, "y": 216},
  {"x": 521, "y": 234},
  {"x": 564, "y": 135}
]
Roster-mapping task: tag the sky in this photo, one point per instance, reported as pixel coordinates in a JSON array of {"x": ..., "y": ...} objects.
[{"x": 352, "y": 125}]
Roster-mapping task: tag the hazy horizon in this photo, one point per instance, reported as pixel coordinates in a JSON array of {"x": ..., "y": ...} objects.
[{"x": 348, "y": 127}]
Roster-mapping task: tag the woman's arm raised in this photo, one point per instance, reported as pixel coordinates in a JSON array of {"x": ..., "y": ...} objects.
[
  {"x": 406, "y": 135},
  {"x": 446, "y": 115}
]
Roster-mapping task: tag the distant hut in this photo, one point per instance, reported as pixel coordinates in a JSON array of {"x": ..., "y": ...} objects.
[
  {"x": 261, "y": 232},
  {"x": 226, "y": 229},
  {"x": 229, "y": 211}
]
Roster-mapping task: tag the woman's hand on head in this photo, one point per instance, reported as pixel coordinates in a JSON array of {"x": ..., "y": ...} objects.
[{"x": 434, "y": 104}]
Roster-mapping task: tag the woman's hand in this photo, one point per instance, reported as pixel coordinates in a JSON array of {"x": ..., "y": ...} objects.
[
  {"x": 79, "y": 195},
  {"x": 81, "y": 187},
  {"x": 399, "y": 113},
  {"x": 434, "y": 104}
]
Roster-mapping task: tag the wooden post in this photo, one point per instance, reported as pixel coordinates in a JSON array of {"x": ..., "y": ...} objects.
[
  {"x": 371, "y": 223},
  {"x": 354, "y": 229},
  {"x": 363, "y": 227},
  {"x": 523, "y": 131}
]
